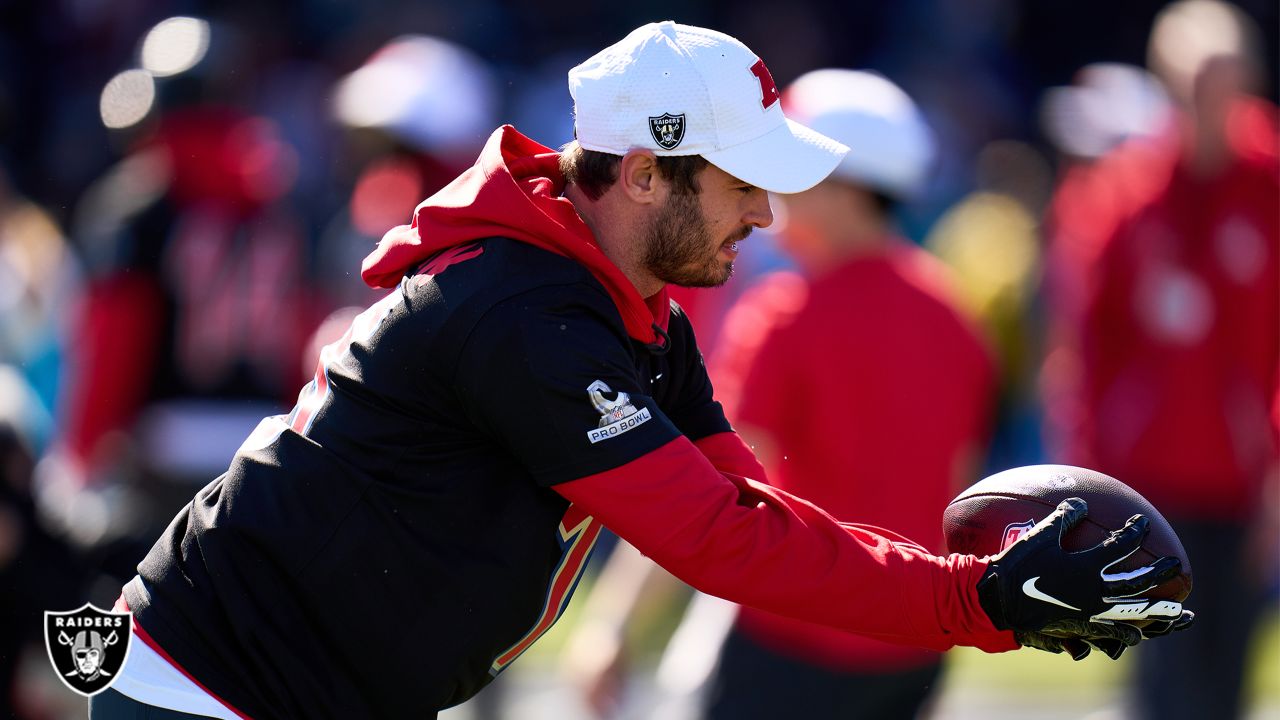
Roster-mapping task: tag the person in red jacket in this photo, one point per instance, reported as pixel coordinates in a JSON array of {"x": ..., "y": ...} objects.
[
  {"x": 197, "y": 300},
  {"x": 1174, "y": 333},
  {"x": 868, "y": 339},
  {"x": 423, "y": 514}
]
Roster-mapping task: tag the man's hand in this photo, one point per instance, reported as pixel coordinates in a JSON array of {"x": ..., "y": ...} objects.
[
  {"x": 1077, "y": 648},
  {"x": 1058, "y": 601}
]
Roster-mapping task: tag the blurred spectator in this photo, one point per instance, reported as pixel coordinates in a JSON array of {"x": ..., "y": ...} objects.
[
  {"x": 854, "y": 343},
  {"x": 416, "y": 114},
  {"x": 39, "y": 283},
  {"x": 200, "y": 300},
  {"x": 1172, "y": 364},
  {"x": 1107, "y": 104},
  {"x": 833, "y": 376}
]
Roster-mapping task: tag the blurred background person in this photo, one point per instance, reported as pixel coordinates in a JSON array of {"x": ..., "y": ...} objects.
[
  {"x": 198, "y": 303},
  {"x": 415, "y": 115},
  {"x": 1107, "y": 104},
  {"x": 1177, "y": 340},
  {"x": 40, "y": 280},
  {"x": 861, "y": 386},
  {"x": 865, "y": 389}
]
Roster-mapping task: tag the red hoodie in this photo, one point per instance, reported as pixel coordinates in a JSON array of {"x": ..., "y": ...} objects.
[
  {"x": 514, "y": 191},
  {"x": 692, "y": 508}
]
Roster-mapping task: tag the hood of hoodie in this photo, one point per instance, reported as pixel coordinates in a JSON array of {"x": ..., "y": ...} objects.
[{"x": 514, "y": 191}]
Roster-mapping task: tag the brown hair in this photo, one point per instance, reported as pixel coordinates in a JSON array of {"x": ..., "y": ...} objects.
[{"x": 595, "y": 172}]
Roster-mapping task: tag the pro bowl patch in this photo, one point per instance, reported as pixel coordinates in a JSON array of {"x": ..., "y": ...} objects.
[{"x": 616, "y": 416}]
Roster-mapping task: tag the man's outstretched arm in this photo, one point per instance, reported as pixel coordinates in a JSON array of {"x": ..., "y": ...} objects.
[
  {"x": 753, "y": 544},
  {"x": 756, "y": 545}
]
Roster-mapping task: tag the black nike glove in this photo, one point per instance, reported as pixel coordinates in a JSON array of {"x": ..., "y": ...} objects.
[
  {"x": 1157, "y": 628},
  {"x": 1077, "y": 648},
  {"x": 1113, "y": 640},
  {"x": 1058, "y": 601},
  {"x": 1080, "y": 643}
]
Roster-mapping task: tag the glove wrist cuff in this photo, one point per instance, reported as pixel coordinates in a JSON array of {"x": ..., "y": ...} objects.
[{"x": 989, "y": 598}]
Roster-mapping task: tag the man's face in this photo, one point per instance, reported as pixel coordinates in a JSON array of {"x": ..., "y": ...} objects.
[
  {"x": 87, "y": 660},
  {"x": 692, "y": 240}
]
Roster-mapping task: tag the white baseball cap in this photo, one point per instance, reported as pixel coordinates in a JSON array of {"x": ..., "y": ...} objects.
[
  {"x": 1107, "y": 104},
  {"x": 895, "y": 148},
  {"x": 681, "y": 90},
  {"x": 431, "y": 93}
]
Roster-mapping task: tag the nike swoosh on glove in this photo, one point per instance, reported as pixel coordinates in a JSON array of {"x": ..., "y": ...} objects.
[{"x": 1057, "y": 600}]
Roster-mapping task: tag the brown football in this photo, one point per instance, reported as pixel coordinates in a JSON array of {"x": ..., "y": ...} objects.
[{"x": 997, "y": 510}]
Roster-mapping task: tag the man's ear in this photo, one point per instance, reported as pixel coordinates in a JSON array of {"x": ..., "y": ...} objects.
[{"x": 639, "y": 179}]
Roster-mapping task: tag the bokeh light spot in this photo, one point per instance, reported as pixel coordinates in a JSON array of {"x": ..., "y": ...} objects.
[
  {"x": 127, "y": 98},
  {"x": 175, "y": 45}
]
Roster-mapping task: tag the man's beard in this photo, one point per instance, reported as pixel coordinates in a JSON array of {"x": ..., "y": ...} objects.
[{"x": 679, "y": 248}]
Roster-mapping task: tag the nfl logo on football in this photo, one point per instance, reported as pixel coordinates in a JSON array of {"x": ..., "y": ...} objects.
[
  {"x": 87, "y": 647},
  {"x": 1014, "y": 532}
]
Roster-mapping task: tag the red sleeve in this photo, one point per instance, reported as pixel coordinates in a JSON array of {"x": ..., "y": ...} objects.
[
  {"x": 755, "y": 545},
  {"x": 729, "y": 454}
]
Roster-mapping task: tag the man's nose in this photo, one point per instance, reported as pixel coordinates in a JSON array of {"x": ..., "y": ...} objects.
[{"x": 759, "y": 214}]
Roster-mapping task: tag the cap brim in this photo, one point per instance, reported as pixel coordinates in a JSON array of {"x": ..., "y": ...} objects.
[{"x": 788, "y": 159}]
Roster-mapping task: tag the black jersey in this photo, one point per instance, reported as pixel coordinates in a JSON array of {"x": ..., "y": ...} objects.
[{"x": 394, "y": 542}]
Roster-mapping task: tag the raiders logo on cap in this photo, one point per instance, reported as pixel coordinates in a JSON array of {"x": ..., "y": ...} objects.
[{"x": 667, "y": 130}]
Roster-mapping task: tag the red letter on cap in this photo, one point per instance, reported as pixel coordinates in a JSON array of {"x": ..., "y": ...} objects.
[{"x": 768, "y": 88}]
